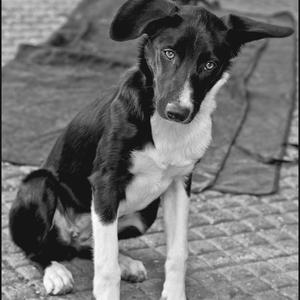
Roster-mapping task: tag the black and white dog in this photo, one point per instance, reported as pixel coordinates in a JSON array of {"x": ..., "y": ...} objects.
[{"x": 123, "y": 154}]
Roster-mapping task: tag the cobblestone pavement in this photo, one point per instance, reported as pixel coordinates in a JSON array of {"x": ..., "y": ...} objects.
[{"x": 241, "y": 247}]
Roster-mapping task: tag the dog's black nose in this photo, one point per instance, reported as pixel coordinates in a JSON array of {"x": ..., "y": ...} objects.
[{"x": 175, "y": 112}]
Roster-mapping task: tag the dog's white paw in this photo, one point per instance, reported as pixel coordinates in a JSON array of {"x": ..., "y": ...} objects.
[
  {"x": 173, "y": 291},
  {"x": 173, "y": 297},
  {"x": 57, "y": 279},
  {"x": 132, "y": 270}
]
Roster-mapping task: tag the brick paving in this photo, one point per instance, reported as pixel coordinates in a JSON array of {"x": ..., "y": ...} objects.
[{"x": 241, "y": 247}]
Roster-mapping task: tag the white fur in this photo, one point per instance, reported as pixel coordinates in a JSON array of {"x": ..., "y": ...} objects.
[
  {"x": 177, "y": 147},
  {"x": 57, "y": 279},
  {"x": 107, "y": 274},
  {"x": 185, "y": 98},
  {"x": 176, "y": 208}
]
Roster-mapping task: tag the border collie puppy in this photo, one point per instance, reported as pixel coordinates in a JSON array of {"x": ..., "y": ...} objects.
[{"x": 118, "y": 158}]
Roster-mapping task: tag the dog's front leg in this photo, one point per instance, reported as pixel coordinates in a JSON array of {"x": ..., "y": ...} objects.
[
  {"x": 107, "y": 274},
  {"x": 176, "y": 208}
]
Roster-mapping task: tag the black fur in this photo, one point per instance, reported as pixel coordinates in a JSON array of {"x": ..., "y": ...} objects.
[{"x": 92, "y": 156}]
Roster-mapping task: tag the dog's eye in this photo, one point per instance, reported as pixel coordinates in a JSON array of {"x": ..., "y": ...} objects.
[
  {"x": 170, "y": 54},
  {"x": 210, "y": 65}
]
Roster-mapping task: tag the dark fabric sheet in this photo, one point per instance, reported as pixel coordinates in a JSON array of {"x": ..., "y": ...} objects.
[
  {"x": 255, "y": 150},
  {"x": 46, "y": 85}
]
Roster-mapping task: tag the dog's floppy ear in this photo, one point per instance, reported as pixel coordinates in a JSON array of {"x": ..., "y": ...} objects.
[
  {"x": 243, "y": 30},
  {"x": 134, "y": 16}
]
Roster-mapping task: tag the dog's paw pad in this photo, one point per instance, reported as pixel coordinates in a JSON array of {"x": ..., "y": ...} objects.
[
  {"x": 133, "y": 270},
  {"x": 57, "y": 280}
]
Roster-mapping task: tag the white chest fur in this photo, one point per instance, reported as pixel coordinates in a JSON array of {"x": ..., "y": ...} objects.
[{"x": 176, "y": 149}]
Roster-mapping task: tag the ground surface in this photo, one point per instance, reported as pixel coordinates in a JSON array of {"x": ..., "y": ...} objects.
[{"x": 241, "y": 247}]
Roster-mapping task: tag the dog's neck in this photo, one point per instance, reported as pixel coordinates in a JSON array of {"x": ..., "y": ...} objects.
[{"x": 187, "y": 142}]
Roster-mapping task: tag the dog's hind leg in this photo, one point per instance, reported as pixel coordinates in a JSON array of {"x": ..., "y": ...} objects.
[
  {"x": 31, "y": 227},
  {"x": 31, "y": 214}
]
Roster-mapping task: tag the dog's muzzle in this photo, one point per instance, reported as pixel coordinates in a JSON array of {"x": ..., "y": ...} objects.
[{"x": 176, "y": 112}]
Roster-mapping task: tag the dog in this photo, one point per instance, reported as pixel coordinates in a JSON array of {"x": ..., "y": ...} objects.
[{"x": 126, "y": 153}]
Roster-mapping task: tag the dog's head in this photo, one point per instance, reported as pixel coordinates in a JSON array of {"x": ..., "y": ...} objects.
[{"x": 187, "y": 49}]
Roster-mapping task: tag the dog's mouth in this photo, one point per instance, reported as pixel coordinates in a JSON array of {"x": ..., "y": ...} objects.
[{"x": 179, "y": 120}]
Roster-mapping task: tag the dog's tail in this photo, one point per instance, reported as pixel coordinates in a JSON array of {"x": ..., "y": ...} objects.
[{"x": 32, "y": 212}]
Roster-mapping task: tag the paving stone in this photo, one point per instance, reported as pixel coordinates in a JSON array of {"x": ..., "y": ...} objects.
[
  {"x": 8, "y": 275},
  {"x": 217, "y": 259},
  {"x": 270, "y": 295},
  {"x": 289, "y": 206},
  {"x": 289, "y": 246},
  {"x": 196, "y": 220},
  {"x": 152, "y": 288},
  {"x": 261, "y": 269},
  {"x": 250, "y": 239},
  {"x": 28, "y": 272},
  {"x": 206, "y": 206},
  {"x": 196, "y": 290},
  {"x": 154, "y": 239},
  {"x": 267, "y": 251},
  {"x": 133, "y": 291},
  {"x": 266, "y": 209},
  {"x": 253, "y": 286},
  {"x": 273, "y": 198},
  {"x": 16, "y": 259},
  {"x": 196, "y": 264},
  {"x": 237, "y": 273},
  {"x": 208, "y": 231},
  {"x": 83, "y": 283},
  {"x": 274, "y": 235},
  {"x": 83, "y": 267},
  {"x": 293, "y": 274},
  {"x": 259, "y": 223},
  {"x": 242, "y": 213},
  {"x": 291, "y": 292},
  {"x": 18, "y": 291},
  {"x": 232, "y": 228},
  {"x": 38, "y": 287},
  {"x": 7, "y": 245},
  {"x": 287, "y": 263},
  {"x": 225, "y": 243},
  {"x": 198, "y": 248},
  {"x": 151, "y": 258},
  {"x": 162, "y": 250},
  {"x": 132, "y": 244},
  {"x": 219, "y": 216},
  {"x": 242, "y": 255},
  {"x": 226, "y": 202},
  {"x": 279, "y": 280},
  {"x": 281, "y": 220}
]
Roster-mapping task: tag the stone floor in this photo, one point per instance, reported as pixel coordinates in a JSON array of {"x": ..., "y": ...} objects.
[{"x": 241, "y": 247}]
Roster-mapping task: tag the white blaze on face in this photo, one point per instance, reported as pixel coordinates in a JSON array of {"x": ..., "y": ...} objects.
[
  {"x": 185, "y": 97},
  {"x": 208, "y": 104}
]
